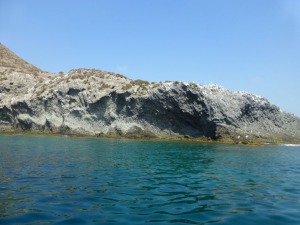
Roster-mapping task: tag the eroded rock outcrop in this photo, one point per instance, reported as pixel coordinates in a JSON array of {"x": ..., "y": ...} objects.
[{"x": 94, "y": 102}]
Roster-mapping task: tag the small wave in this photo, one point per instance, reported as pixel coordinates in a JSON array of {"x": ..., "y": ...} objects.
[{"x": 291, "y": 145}]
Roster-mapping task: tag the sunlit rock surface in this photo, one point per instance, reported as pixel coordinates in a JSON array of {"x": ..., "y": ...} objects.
[{"x": 100, "y": 103}]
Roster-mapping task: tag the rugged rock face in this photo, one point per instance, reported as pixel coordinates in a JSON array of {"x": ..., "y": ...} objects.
[{"x": 94, "y": 102}]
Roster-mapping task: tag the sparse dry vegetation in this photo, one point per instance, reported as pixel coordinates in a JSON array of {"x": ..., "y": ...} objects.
[
  {"x": 156, "y": 85},
  {"x": 139, "y": 82},
  {"x": 42, "y": 90},
  {"x": 77, "y": 76},
  {"x": 10, "y": 60},
  {"x": 105, "y": 86},
  {"x": 120, "y": 76},
  {"x": 127, "y": 87},
  {"x": 192, "y": 84}
]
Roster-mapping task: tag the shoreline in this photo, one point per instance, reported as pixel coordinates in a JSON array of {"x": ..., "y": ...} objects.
[{"x": 112, "y": 137}]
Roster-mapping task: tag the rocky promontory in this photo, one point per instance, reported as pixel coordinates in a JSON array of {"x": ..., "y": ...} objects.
[{"x": 100, "y": 103}]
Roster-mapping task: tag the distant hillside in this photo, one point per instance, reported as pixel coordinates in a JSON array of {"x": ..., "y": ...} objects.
[
  {"x": 10, "y": 60},
  {"x": 100, "y": 103}
]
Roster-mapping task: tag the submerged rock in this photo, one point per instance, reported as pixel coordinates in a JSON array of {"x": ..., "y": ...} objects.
[{"x": 100, "y": 103}]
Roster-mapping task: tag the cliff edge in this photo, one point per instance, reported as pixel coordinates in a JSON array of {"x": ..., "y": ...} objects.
[{"x": 100, "y": 103}]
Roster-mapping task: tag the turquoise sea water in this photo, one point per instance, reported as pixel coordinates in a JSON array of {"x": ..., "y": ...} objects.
[{"x": 56, "y": 180}]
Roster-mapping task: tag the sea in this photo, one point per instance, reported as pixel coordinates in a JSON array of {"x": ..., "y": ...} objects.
[{"x": 63, "y": 180}]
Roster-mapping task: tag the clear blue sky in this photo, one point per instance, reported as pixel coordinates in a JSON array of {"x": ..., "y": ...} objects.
[{"x": 250, "y": 45}]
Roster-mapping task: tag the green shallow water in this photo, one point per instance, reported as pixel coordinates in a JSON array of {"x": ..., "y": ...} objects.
[{"x": 55, "y": 180}]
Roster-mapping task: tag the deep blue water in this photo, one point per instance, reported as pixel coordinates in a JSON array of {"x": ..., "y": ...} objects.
[{"x": 56, "y": 180}]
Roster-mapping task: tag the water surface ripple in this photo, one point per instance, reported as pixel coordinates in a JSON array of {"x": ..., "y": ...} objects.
[{"x": 54, "y": 180}]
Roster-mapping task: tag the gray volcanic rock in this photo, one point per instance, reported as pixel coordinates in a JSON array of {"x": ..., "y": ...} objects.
[{"x": 94, "y": 102}]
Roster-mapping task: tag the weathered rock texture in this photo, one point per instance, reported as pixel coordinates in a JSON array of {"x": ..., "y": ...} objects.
[{"x": 94, "y": 102}]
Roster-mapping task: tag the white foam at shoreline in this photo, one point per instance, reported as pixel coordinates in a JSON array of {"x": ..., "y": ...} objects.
[{"x": 291, "y": 145}]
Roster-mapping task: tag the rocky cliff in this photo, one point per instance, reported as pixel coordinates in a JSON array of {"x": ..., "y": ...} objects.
[{"x": 95, "y": 102}]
